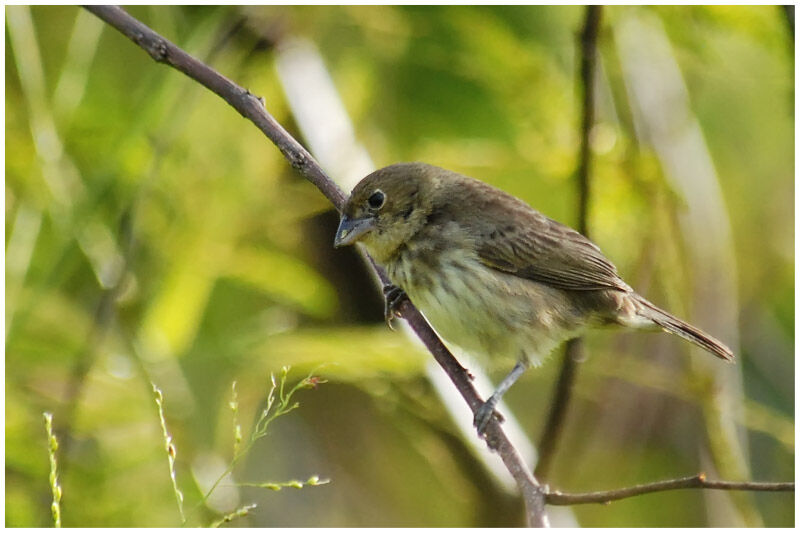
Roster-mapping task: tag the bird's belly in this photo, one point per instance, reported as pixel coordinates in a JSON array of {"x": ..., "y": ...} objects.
[{"x": 490, "y": 313}]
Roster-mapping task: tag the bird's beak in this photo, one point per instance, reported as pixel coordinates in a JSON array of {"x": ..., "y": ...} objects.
[{"x": 350, "y": 229}]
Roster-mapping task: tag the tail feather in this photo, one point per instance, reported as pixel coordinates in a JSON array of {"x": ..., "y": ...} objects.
[{"x": 676, "y": 326}]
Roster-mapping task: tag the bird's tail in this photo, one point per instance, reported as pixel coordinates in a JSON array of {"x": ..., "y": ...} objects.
[{"x": 676, "y": 326}]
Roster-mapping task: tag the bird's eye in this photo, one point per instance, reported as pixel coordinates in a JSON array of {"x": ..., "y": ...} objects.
[{"x": 376, "y": 199}]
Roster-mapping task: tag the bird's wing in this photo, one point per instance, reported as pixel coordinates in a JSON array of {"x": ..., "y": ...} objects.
[{"x": 527, "y": 244}]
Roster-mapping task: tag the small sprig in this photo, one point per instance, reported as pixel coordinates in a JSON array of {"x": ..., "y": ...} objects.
[
  {"x": 283, "y": 402},
  {"x": 52, "y": 442},
  {"x": 237, "y": 428},
  {"x": 238, "y": 513},
  {"x": 293, "y": 484},
  {"x": 279, "y": 402},
  {"x": 170, "y": 448}
]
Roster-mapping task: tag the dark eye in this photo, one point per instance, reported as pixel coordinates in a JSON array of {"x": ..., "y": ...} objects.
[{"x": 377, "y": 199}]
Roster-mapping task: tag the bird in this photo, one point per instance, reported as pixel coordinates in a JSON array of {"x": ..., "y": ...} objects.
[{"x": 490, "y": 273}]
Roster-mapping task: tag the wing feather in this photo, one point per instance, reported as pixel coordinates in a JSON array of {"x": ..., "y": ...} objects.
[{"x": 515, "y": 238}]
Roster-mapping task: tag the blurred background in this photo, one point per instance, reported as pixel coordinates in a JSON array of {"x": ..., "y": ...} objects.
[{"x": 154, "y": 235}]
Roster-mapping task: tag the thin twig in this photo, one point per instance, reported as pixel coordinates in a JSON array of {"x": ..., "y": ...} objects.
[
  {"x": 238, "y": 513},
  {"x": 556, "y": 416},
  {"x": 55, "y": 487},
  {"x": 573, "y": 353},
  {"x": 169, "y": 447},
  {"x": 589, "y": 34},
  {"x": 698, "y": 481}
]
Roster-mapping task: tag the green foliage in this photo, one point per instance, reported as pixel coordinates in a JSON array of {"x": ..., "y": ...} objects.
[{"x": 153, "y": 235}]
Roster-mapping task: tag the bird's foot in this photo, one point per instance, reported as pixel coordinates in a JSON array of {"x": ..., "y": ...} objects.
[
  {"x": 484, "y": 415},
  {"x": 393, "y": 298}
]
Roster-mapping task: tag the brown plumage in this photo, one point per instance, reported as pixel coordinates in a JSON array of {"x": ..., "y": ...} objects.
[{"x": 490, "y": 273}]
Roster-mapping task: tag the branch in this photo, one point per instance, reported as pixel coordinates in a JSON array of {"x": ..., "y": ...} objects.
[
  {"x": 692, "y": 482},
  {"x": 252, "y": 108},
  {"x": 588, "y": 60},
  {"x": 573, "y": 354}
]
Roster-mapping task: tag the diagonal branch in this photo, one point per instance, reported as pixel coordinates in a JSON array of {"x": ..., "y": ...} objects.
[
  {"x": 573, "y": 354},
  {"x": 252, "y": 108},
  {"x": 698, "y": 481}
]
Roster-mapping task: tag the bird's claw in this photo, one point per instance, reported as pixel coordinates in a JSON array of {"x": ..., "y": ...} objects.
[
  {"x": 393, "y": 298},
  {"x": 484, "y": 415}
]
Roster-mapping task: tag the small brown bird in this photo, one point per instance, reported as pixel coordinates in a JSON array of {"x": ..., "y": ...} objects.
[{"x": 491, "y": 274}]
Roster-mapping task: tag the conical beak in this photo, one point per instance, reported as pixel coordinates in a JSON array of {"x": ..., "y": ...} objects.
[{"x": 350, "y": 230}]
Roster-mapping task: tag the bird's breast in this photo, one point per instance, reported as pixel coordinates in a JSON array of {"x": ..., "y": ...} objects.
[{"x": 484, "y": 311}]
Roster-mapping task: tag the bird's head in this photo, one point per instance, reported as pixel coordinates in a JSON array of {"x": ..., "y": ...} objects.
[{"x": 387, "y": 208}]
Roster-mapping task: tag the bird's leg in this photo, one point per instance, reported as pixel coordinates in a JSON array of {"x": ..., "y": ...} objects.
[
  {"x": 484, "y": 413},
  {"x": 393, "y": 297}
]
